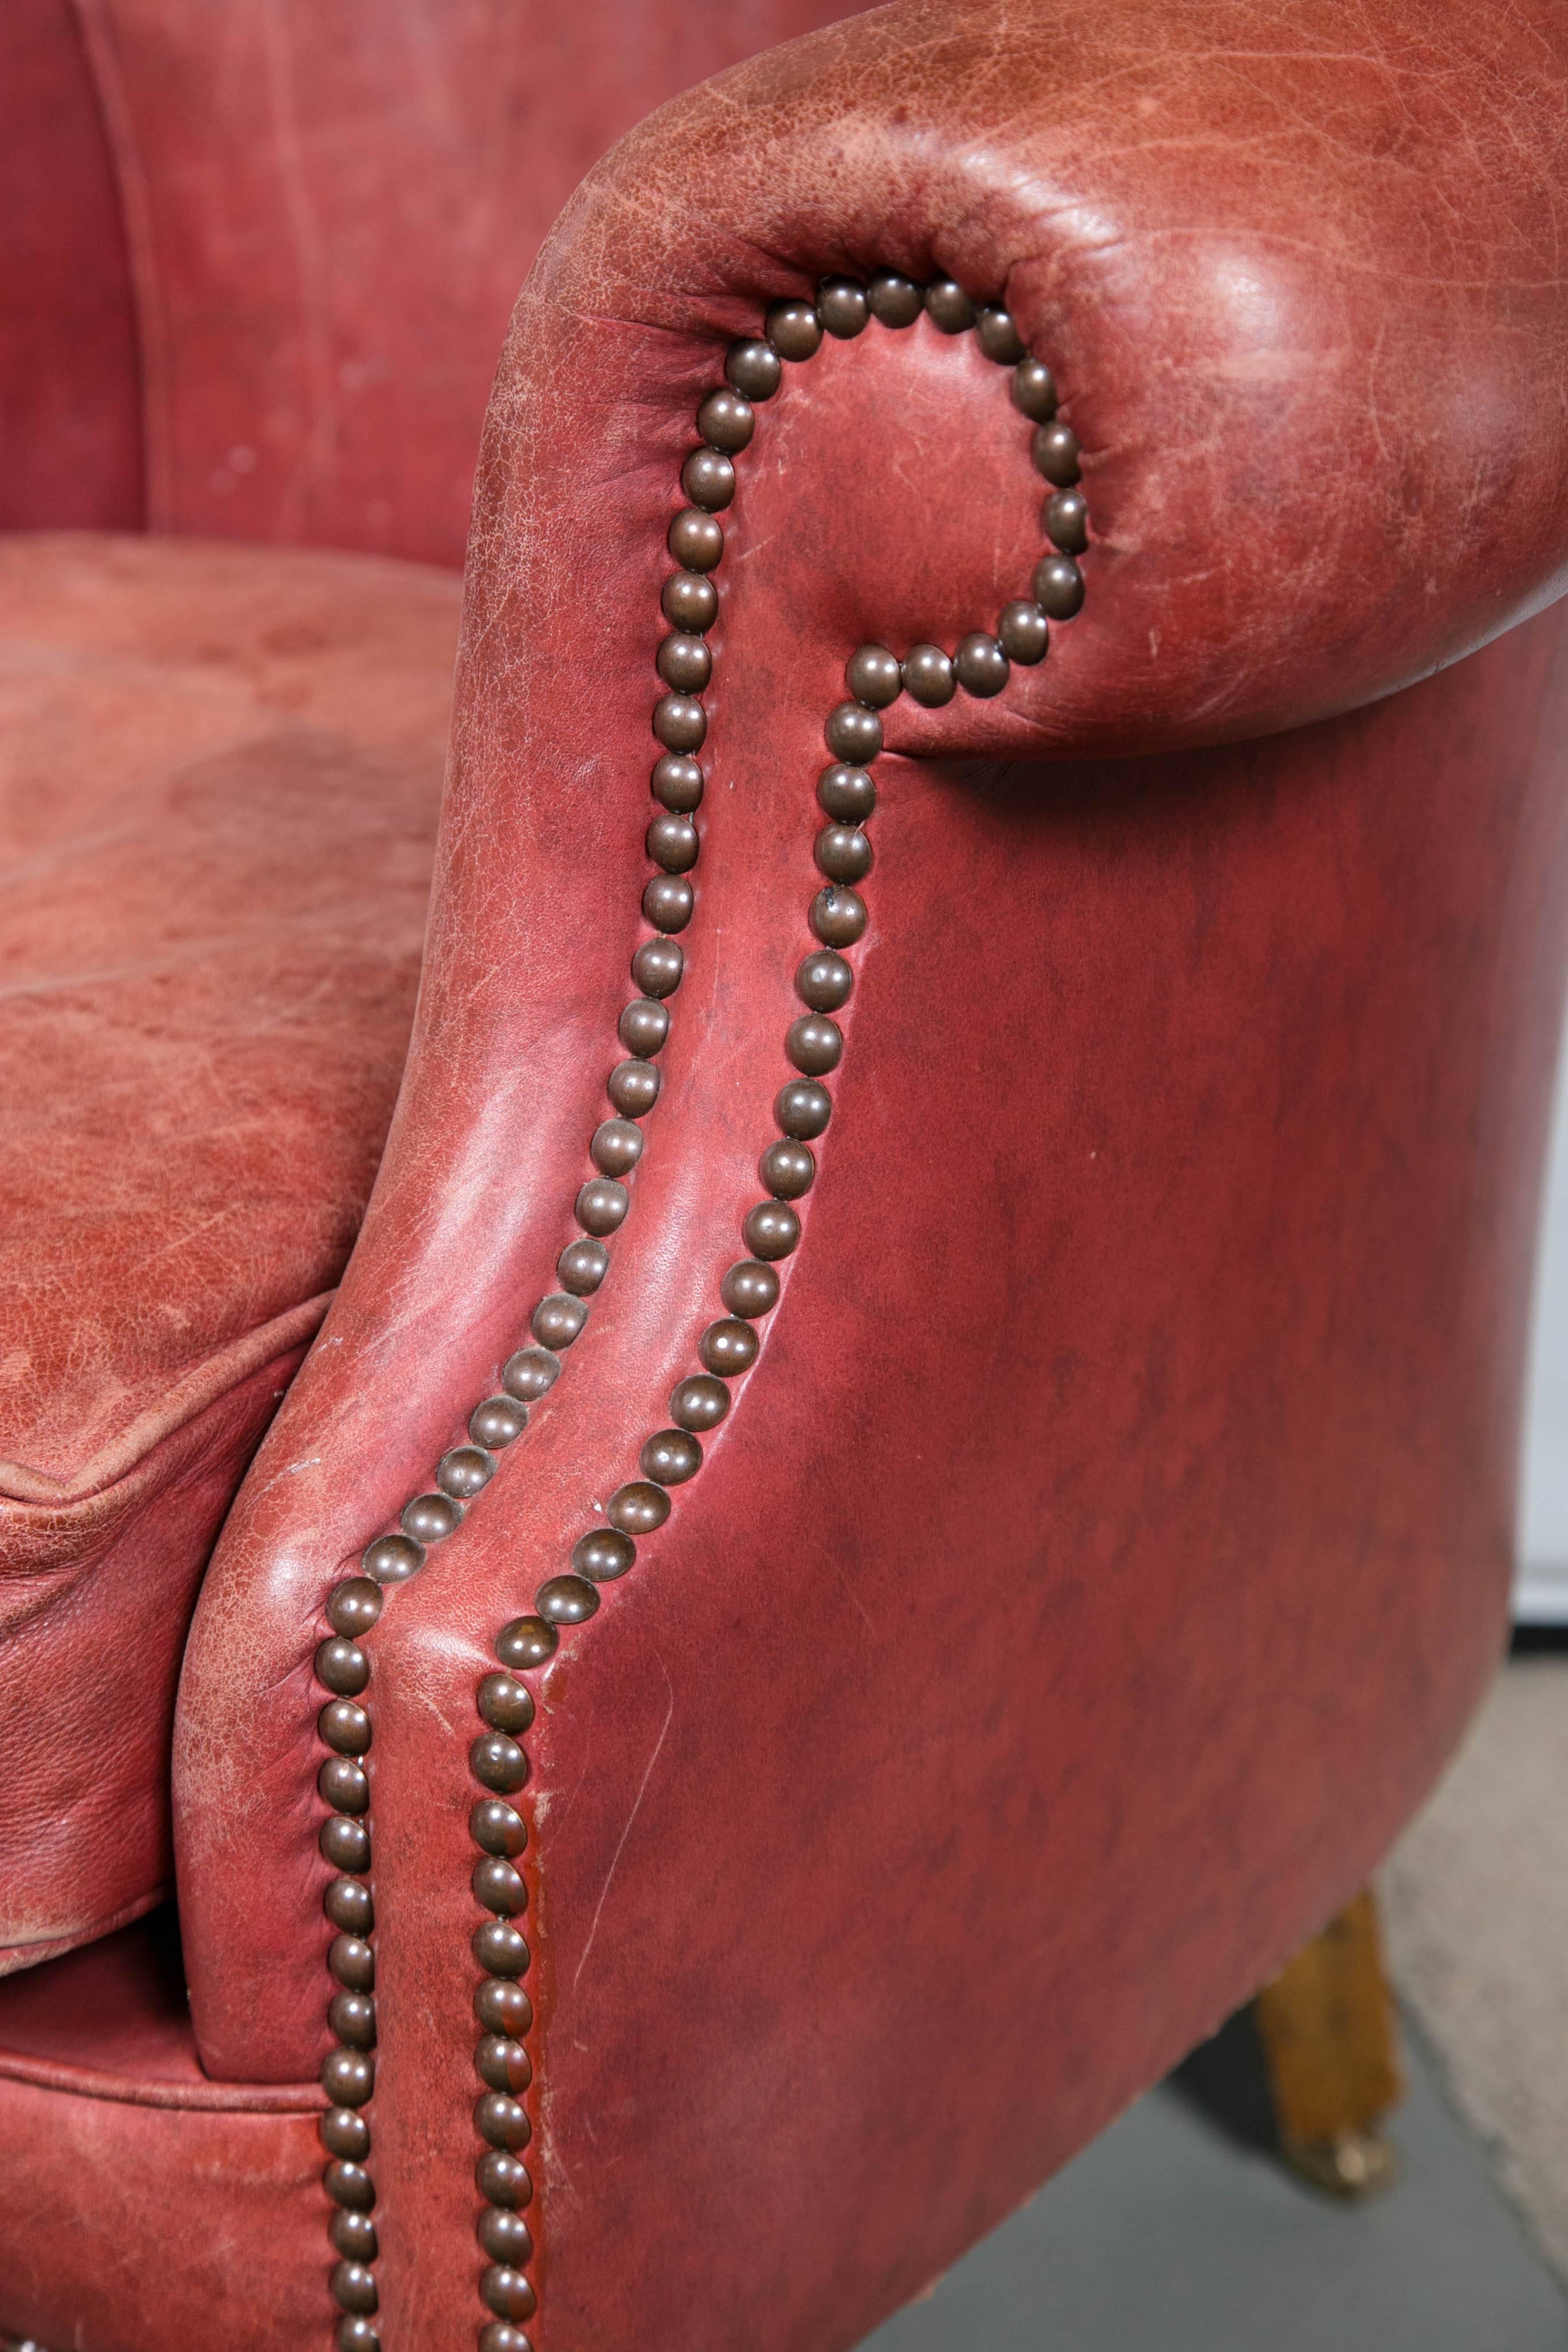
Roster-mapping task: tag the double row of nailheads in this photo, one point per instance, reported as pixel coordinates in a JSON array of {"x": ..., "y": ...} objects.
[{"x": 771, "y": 1229}]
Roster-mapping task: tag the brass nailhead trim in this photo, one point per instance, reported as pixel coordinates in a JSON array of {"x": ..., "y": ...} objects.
[{"x": 837, "y": 916}]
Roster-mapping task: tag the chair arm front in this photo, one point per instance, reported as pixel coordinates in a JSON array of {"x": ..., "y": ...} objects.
[{"x": 1121, "y": 1048}]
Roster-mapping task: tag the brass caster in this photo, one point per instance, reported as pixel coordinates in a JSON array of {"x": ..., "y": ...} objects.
[{"x": 1351, "y": 2166}]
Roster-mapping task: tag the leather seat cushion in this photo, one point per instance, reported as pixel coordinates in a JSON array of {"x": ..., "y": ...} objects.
[{"x": 219, "y": 774}]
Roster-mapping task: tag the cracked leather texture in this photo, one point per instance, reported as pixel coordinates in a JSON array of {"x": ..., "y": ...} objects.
[
  {"x": 220, "y": 768},
  {"x": 1112, "y": 1537}
]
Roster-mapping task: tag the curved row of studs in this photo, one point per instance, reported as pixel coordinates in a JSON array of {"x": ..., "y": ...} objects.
[
  {"x": 696, "y": 539},
  {"x": 342, "y": 1665},
  {"x": 787, "y": 1169}
]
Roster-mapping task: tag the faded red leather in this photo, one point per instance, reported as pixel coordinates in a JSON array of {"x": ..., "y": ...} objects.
[
  {"x": 1093, "y": 1573},
  {"x": 129, "y": 1989},
  {"x": 141, "y": 2200},
  {"x": 71, "y": 402},
  {"x": 220, "y": 770},
  {"x": 542, "y": 833},
  {"x": 332, "y": 210},
  {"x": 1112, "y": 1537},
  {"x": 131, "y": 2228}
]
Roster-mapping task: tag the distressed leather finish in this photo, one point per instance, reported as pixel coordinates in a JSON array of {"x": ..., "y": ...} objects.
[
  {"x": 131, "y": 2228},
  {"x": 332, "y": 210},
  {"x": 861, "y": 497},
  {"x": 140, "y": 2202},
  {"x": 220, "y": 771},
  {"x": 1093, "y": 1573},
  {"x": 1112, "y": 1537}
]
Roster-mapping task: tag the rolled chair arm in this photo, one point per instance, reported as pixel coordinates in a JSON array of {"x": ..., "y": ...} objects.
[{"x": 1316, "y": 465}]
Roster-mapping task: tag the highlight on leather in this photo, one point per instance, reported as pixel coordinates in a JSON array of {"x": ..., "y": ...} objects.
[{"x": 981, "y": 666}]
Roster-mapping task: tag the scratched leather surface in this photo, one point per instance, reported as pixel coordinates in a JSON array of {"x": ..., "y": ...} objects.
[
  {"x": 129, "y": 2228},
  {"x": 1112, "y": 1538},
  {"x": 1124, "y": 1482},
  {"x": 1095, "y": 1571},
  {"x": 218, "y": 771},
  {"x": 139, "y": 2198}
]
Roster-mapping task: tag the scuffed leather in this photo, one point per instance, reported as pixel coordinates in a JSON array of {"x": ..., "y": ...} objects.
[
  {"x": 332, "y": 210},
  {"x": 889, "y": 491},
  {"x": 144, "y": 2207},
  {"x": 111, "y": 1575},
  {"x": 132, "y": 2228},
  {"x": 218, "y": 771},
  {"x": 110, "y": 2021},
  {"x": 1112, "y": 1538},
  {"x": 1091, "y": 1577},
  {"x": 1113, "y": 1534}
]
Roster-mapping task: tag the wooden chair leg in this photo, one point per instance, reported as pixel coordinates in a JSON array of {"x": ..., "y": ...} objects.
[{"x": 1330, "y": 2049}]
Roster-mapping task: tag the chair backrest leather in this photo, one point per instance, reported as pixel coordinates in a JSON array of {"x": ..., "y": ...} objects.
[
  {"x": 70, "y": 407},
  {"x": 327, "y": 213}
]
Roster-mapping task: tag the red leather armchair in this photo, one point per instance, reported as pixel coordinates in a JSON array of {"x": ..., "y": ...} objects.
[{"x": 805, "y": 1630}]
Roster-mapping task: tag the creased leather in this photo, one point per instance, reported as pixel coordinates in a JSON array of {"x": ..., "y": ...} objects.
[
  {"x": 111, "y": 2022},
  {"x": 226, "y": 1367},
  {"x": 1091, "y": 1577},
  {"x": 85, "y": 1834},
  {"x": 219, "y": 773},
  {"x": 143, "y": 2206},
  {"x": 860, "y": 514},
  {"x": 1112, "y": 1538}
]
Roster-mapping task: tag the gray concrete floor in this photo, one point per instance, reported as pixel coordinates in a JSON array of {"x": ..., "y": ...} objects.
[
  {"x": 1175, "y": 2232},
  {"x": 1476, "y": 1906}
]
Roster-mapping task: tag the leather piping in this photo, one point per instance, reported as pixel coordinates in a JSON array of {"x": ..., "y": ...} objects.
[
  {"x": 225, "y": 2098},
  {"x": 31, "y": 1954},
  {"x": 226, "y": 1367}
]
